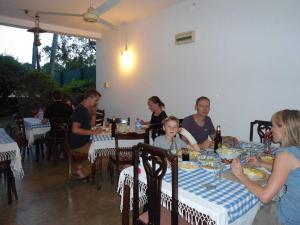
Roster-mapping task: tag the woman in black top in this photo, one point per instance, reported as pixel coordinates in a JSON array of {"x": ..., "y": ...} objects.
[
  {"x": 157, "y": 108},
  {"x": 158, "y": 115}
]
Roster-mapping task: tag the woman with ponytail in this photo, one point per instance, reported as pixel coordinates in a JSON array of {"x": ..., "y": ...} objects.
[{"x": 156, "y": 106}]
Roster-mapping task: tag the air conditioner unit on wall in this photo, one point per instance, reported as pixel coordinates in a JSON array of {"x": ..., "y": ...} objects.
[{"x": 185, "y": 37}]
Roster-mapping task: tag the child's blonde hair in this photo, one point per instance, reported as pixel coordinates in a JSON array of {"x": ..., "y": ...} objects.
[{"x": 170, "y": 118}]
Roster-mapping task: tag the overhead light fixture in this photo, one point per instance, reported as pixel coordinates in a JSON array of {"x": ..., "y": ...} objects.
[
  {"x": 36, "y": 28},
  {"x": 90, "y": 15}
]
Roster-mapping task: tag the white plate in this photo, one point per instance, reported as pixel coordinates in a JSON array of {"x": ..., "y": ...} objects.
[
  {"x": 207, "y": 159},
  {"x": 210, "y": 168},
  {"x": 188, "y": 166}
]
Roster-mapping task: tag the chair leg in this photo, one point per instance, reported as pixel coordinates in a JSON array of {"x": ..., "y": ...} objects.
[
  {"x": 70, "y": 166},
  {"x": 126, "y": 205},
  {"x": 13, "y": 184},
  {"x": 42, "y": 148},
  {"x": 100, "y": 176},
  {"x": 111, "y": 172},
  {"x": 9, "y": 184}
]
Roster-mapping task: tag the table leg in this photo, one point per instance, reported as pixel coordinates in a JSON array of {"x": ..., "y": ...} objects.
[
  {"x": 99, "y": 177},
  {"x": 37, "y": 150}
]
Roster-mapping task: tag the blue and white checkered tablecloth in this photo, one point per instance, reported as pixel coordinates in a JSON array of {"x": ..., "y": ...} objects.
[
  {"x": 104, "y": 137},
  {"x": 31, "y": 123},
  {"x": 104, "y": 144},
  {"x": 234, "y": 197},
  {"x": 4, "y": 137},
  {"x": 34, "y": 129},
  {"x": 9, "y": 150}
]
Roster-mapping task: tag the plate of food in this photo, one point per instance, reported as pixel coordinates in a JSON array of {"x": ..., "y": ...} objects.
[
  {"x": 188, "y": 166},
  {"x": 228, "y": 153},
  {"x": 207, "y": 159},
  {"x": 211, "y": 167},
  {"x": 254, "y": 173},
  {"x": 267, "y": 158}
]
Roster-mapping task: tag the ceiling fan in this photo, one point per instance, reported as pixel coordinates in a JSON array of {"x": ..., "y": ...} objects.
[{"x": 92, "y": 14}]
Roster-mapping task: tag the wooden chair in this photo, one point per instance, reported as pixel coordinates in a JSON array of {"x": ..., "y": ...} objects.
[
  {"x": 9, "y": 180},
  {"x": 20, "y": 134},
  {"x": 122, "y": 156},
  {"x": 74, "y": 156},
  {"x": 154, "y": 130},
  {"x": 262, "y": 127},
  {"x": 100, "y": 114},
  {"x": 56, "y": 136},
  {"x": 155, "y": 161}
]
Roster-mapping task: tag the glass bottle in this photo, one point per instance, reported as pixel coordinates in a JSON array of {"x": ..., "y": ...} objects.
[
  {"x": 218, "y": 139},
  {"x": 173, "y": 147},
  {"x": 113, "y": 127},
  {"x": 267, "y": 141}
]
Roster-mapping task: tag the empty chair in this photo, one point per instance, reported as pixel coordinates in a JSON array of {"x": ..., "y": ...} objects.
[
  {"x": 100, "y": 114},
  {"x": 155, "y": 161},
  {"x": 123, "y": 155},
  {"x": 20, "y": 134},
  {"x": 262, "y": 127},
  {"x": 56, "y": 136}
]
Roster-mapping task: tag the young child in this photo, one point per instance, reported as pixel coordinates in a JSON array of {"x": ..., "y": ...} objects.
[{"x": 171, "y": 128}]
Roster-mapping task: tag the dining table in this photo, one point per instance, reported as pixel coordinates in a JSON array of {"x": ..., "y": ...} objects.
[
  {"x": 35, "y": 129},
  {"x": 104, "y": 144},
  {"x": 9, "y": 150},
  {"x": 203, "y": 198}
]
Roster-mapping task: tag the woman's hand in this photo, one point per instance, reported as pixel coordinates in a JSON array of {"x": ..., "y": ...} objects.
[{"x": 236, "y": 168}]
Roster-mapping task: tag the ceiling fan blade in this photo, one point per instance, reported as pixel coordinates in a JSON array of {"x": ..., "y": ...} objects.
[
  {"x": 106, "y": 6},
  {"x": 107, "y": 24},
  {"x": 59, "y": 13}
]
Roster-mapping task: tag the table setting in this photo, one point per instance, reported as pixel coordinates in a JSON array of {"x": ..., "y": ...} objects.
[{"x": 208, "y": 191}]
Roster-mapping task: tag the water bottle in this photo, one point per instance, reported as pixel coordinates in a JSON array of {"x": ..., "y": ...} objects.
[
  {"x": 138, "y": 125},
  {"x": 41, "y": 114}
]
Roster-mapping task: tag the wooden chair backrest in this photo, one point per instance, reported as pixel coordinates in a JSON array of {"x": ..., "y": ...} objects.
[
  {"x": 155, "y": 161},
  {"x": 262, "y": 127}
]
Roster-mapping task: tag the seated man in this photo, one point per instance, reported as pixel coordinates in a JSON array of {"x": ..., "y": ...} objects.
[
  {"x": 201, "y": 126},
  {"x": 81, "y": 126}
]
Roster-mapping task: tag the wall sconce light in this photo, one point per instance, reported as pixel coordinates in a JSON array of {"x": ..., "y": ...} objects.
[
  {"x": 106, "y": 84},
  {"x": 126, "y": 55}
]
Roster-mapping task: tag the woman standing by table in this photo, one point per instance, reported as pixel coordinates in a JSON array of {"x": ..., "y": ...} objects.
[{"x": 285, "y": 170}]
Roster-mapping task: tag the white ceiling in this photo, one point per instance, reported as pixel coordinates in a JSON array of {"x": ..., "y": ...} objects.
[{"x": 127, "y": 11}]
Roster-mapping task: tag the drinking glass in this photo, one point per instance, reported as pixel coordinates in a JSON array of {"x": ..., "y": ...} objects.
[{"x": 217, "y": 174}]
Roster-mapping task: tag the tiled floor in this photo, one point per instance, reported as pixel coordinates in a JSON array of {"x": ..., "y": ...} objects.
[{"x": 47, "y": 197}]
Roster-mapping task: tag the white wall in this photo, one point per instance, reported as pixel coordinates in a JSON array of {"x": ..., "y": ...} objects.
[{"x": 245, "y": 58}]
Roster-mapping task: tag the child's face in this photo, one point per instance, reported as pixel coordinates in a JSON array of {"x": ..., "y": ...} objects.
[{"x": 171, "y": 128}]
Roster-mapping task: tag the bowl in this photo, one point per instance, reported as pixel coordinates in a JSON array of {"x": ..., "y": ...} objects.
[{"x": 228, "y": 153}]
